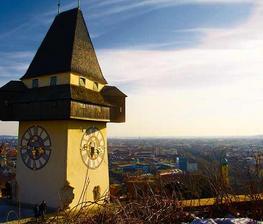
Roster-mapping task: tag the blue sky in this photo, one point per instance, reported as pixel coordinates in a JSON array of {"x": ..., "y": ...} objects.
[
  {"x": 119, "y": 24},
  {"x": 188, "y": 59}
]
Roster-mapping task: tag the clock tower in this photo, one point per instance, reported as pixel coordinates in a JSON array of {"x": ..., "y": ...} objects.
[{"x": 63, "y": 104}]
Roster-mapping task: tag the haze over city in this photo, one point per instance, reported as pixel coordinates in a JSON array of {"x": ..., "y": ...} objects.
[{"x": 189, "y": 67}]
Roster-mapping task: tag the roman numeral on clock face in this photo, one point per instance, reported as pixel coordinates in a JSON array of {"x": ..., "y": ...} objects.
[
  {"x": 92, "y": 148},
  {"x": 35, "y": 148}
]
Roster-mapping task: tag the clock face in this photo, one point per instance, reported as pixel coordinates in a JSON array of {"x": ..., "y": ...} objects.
[
  {"x": 92, "y": 148},
  {"x": 35, "y": 148}
]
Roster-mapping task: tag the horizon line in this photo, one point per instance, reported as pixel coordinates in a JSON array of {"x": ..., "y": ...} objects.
[{"x": 170, "y": 137}]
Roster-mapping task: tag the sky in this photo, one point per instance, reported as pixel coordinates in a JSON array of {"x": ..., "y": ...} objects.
[{"x": 189, "y": 67}]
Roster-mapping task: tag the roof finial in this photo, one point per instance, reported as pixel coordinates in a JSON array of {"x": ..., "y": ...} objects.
[
  {"x": 79, "y": 4},
  {"x": 58, "y": 6}
]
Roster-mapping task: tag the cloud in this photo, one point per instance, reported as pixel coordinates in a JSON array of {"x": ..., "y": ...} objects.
[
  {"x": 240, "y": 37},
  {"x": 180, "y": 69},
  {"x": 120, "y": 6},
  {"x": 215, "y": 88},
  {"x": 13, "y": 64},
  {"x": 223, "y": 54},
  {"x": 193, "y": 92}
]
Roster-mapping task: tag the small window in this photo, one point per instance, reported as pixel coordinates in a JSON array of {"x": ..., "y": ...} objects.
[
  {"x": 53, "y": 81},
  {"x": 95, "y": 86},
  {"x": 120, "y": 109},
  {"x": 82, "y": 82},
  {"x": 35, "y": 83}
]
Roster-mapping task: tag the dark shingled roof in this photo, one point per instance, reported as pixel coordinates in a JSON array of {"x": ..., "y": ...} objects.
[
  {"x": 67, "y": 47},
  {"x": 112, "y": 91},
  {"x": 86, "y": 95},
  {"x": 62, "y": 92},
  {"x": 13, "y": 86}
]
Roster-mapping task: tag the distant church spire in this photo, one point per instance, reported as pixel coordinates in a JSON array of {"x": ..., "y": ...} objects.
[{"x": 79, "y": 4}]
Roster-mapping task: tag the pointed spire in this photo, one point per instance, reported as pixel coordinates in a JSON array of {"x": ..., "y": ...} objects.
[
  {"x": 58, "y": 6},
  {"x": 67, "y": 47}
]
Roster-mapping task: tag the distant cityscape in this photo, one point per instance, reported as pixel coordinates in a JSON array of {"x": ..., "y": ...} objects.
[{"x": 135, "y": 163}]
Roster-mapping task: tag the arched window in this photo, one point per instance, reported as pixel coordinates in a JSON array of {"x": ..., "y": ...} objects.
[
  {"x": 53, "y": 81},
  {"x": 82, "y": 81},
  {"x": 96, "y": 193}
]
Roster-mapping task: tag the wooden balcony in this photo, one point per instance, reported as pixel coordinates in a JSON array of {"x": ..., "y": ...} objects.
[{"x": 89, "y": 112}]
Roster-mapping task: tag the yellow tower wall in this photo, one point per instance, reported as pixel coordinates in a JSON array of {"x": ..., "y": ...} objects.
[
  {"x": 79, "y": 176},
  {"x": 64, "y": 168},
  {"x": 63, "y": 79},
  {"x": 44, "y": 184},
  {"x": 74, "y": 80}
]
